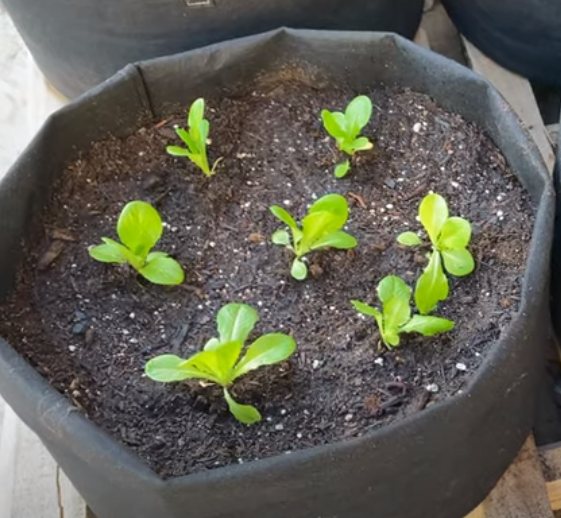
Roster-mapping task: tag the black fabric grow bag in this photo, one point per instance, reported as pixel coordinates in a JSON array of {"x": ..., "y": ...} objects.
[
  {"x": 522, "y": 35},
  {"x": 78, "y": 44},
  {"x": 556, "y": 254},
  {"x": 439, "y": 463}
]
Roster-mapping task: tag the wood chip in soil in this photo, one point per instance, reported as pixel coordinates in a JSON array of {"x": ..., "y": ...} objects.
[{"x": 90, "y": 328}]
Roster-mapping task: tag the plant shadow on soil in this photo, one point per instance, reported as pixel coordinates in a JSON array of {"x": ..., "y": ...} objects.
[{"x": 90, "y": 328}]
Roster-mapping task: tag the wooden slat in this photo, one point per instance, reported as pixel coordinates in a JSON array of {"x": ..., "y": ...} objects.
[
  {"x": 32, "y": 485},
  {"x": 429, "y": 4},
  {"x": 521, "y": 492},
  {"x": 7, "y": 460},
  {"x": 554, "y": 494},
  {"x": 35, "y": 491},
  {"x": 478, "y": 512},
  {"x": 72, "y": 504},
  {"x": 422, "y": 38},
  {"x": 442, "y": 33},
  {"x": 2, "y": 412},
  {"x": 519, "y": 94},
  {"x": 550, "y": 457}
]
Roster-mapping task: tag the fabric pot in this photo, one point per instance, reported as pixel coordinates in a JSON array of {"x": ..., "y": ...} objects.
[
  {"x": 440, "y": 462},
  {"x": 522, "y": 35},
  {"x": 79, "y": 44},
  {"x": 556, "y": 255}
]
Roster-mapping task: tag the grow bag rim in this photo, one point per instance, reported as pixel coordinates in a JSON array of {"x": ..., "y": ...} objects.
[{"x": 59, "y": 409}]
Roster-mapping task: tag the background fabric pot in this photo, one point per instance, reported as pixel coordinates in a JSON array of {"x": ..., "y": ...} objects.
[
  {"x": 79, "y": 44},
  {"x": 440, "y": 462},
  {"x": 522, "y": 35}
]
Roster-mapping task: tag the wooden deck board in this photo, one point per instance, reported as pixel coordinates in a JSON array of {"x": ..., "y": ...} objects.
[
  {"x": 33, "y": 486},
  {"x": 442, "y": 33},
  {"x": 8, "y": 431},
  {"x": 35, "y": 491},
  {"x": 550, "y": 457},
  {"x": 521, "y": 492},
  {"x": 72, "y": 504}
]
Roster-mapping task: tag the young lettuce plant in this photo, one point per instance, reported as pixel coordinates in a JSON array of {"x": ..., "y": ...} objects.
[
  {"x": 140, "y": 228},
  {"x": 449, "y": 237},
  {"x": 321, "y": 228},
  {"x": 395, "y": 317},
  {"x": 346, "y": 127},
  {"x": 195, "y": 139},
  {"x": 219, "y": 362}
]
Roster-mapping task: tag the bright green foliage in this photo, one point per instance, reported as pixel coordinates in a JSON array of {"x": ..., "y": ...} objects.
[
  {"x": 219, "y": 362},
  {"x": 139, "y": 229},
  {"x": 395, "y": 317},
  {"x": 342, "y": 169},
  {"x": 321, "y": 228},
  {"x": 432, "y": 285},
  {"x": 449, "y": 237},
  {"x": 195, "y": 139},
  {"x": 346, "y": 127}
]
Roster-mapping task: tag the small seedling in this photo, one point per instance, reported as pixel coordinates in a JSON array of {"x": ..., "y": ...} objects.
[
  {"x": 346, "y": 127},
  {"x": 219, "y": 362},
  {"x": 395, "y": 317},
  {"x": 321, "y": 228},
  {"x": 140, "y": 228},
  {"x": 195, "y": 139},
  {"x": 449, "y": 237}
]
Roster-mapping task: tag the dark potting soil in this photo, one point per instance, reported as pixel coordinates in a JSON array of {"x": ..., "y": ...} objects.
[{"x": 90, "y": 328}]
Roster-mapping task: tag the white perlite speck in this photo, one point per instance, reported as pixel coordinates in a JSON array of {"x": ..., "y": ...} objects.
[
  {"x": 379, "y": 361},
  {"x": 433, "y": 387},
  {"x": 316, "y": 364},
  {"x": 417, "y": 127},
  {"x": 279, "y": 427},
  {"x": 461, "y": 367}
]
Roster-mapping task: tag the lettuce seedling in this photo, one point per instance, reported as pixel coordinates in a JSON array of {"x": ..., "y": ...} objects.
[
  {"x": 321, "y": 228},
  {"x": 219, "y": 362},
  {"x": 345, "y": 129},
  {"x": 140, "y": 228},
  {"x": 449, "y": 237},
  {"x": 395, "y": 317},
  {"x": 195, "y": 139}
]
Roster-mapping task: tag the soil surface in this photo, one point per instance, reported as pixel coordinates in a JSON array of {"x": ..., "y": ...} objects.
[{"x": 90, "y": 328}]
